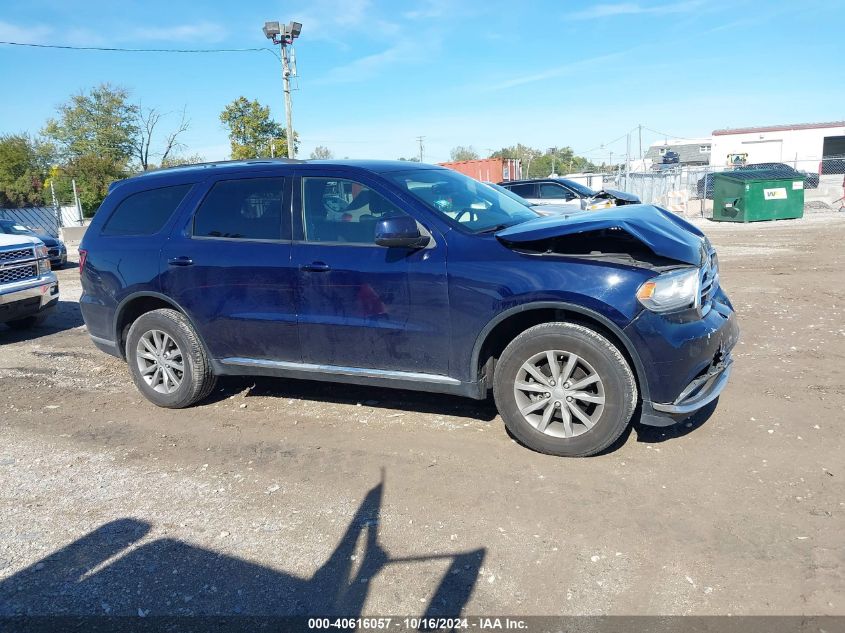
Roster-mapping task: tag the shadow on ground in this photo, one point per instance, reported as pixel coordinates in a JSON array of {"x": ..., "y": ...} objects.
[
  {"x": 65, "y": 316},
  {"x": 339, "y": 393},
  {"x": 657, "y": 434},
  {"x": 111, "y": 572}
]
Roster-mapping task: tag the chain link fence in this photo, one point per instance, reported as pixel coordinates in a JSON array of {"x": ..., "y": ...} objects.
[
  {"x": 48, "y": 219},
  {"x": 689, "y": 189}
]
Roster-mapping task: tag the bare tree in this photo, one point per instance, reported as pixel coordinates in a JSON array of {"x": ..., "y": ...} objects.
[
  {"x": 322, "y": 152},
  {"x": 148, "y": 122}
]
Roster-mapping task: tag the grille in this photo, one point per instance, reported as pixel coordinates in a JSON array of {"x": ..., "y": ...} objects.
[
  {"x": 19, "y": 273},
  {"x": 16, "y": 255},
  {"x": 709, "y": 281},
  {"x": 53, "y": 252}
]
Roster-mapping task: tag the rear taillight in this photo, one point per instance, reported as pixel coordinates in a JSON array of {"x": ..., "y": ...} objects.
[{"x": 83, "y": 257}]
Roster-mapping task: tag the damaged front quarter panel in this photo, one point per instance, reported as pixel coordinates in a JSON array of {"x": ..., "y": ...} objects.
[{"x": 642, "y": 235}]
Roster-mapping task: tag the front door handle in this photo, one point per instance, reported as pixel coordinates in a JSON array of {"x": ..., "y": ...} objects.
[
  {"x": 180, "y": 261},
  {"x": 316, "y": 267}
]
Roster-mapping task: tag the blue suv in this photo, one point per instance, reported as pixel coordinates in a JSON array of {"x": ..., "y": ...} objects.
[{"x": 395, "y": 274}]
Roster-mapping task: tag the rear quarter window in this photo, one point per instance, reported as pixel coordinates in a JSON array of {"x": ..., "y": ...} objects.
[{"x": 145, "y": 212}]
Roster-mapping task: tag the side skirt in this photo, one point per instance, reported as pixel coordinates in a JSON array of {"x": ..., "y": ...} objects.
[{"x": 414, "y": 381}]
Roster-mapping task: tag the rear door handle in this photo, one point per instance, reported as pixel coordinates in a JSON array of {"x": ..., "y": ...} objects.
[
  {"x": 180, "y": 261},
  {"x": 316, "y": 267}
]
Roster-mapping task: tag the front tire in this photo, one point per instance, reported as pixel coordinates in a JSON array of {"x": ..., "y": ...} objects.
[
  {"x": 168, "y": 363},
  {"x": 563, "y": 389}
]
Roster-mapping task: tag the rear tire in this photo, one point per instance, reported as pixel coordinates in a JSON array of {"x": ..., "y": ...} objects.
[
  {"x": 168, "y": 363},
  {"x": 576, "y": 407}
]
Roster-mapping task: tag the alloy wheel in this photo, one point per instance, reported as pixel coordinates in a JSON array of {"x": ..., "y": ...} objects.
[
  {"x": 160, "y": 361},
  {"x": 559, "y": 393}
]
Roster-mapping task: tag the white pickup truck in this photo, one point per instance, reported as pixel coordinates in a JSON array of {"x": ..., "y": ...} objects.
[{"x": 29, "y": 290}]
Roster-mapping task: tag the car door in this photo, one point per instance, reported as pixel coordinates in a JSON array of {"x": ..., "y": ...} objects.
[
  {"x": 555, "y": 193},
  {"x": 228, "y": 265},
  {"x": 361, "y": 305}
]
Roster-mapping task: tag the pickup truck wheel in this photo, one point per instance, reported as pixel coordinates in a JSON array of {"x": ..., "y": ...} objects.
[
  {"x": 27, "y": 322},
  {"x": 564, "y": 389},
  {"x": 167, "y": 361}
]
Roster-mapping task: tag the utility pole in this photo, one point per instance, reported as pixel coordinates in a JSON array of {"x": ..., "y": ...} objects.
[
  {"x": 627, "y": 160},
  {"x": 420, "y": 140},
  {"x": 640, "y": 130},
  {"x": 76, "y": 201},
  {"x": 284, "y": 35}
]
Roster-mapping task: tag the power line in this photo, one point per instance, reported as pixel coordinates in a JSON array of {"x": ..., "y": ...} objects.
[
  {"x": 681, "y": 138},
  {"x": 603, "y": 145},
  {"x": 113, "y": 49}
]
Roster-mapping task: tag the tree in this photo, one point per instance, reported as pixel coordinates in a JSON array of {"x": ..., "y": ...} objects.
[
  {"x": 252, "y": 130},
  {"x": 24, "y": 167},
  {"x": 93, "y": 175},
  {"x": 412, "y": 159},
  {"x": 538, "y": 164},
  {"x": 99, "y": 123},
  {"x": 460, "y": 153},
  {"x": 174, "y": 160},
  {"x": 322, "y": 152},
  {"x": 146, "y": 123}
]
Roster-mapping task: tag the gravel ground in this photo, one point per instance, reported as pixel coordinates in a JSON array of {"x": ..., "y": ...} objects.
[{"x": 279, "y": 497}]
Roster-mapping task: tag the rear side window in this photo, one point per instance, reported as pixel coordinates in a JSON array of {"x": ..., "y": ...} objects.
[
  {"x": 247, "y": 209},
  {"x": 145, "y": 212},
  {"x": 526, "y": 191}
]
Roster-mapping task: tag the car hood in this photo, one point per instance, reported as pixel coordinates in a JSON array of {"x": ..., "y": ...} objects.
[
  {"x": 666, "y": 234},
  {"x": 18, "y": 240},
  {"x": 47, "y": 239},
  {"x": 624, "y": 196}
]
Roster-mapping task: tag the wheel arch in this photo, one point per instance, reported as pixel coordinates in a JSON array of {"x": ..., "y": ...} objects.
[
  {"x": 505, "y": 326},
  {"x": 136, "y": 304}
]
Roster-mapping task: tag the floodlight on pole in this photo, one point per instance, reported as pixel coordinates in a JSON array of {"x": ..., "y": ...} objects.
[{"x": 283, "y": 36}]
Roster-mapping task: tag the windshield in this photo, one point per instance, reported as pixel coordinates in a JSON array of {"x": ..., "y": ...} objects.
[
  {"x": 11, "y": 228},
  {"x": 471, "y": 204},
  {"x": 583, "y": 190}
]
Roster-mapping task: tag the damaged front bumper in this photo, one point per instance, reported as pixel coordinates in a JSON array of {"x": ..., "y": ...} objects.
[
  {"x": 686, "y": 366},
  {"x": 607, "y": 198},
  {"x": 700, "y": 392}
]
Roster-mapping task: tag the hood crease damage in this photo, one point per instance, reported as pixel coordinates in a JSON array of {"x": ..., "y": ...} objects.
[{"x": 639, "y": 234}]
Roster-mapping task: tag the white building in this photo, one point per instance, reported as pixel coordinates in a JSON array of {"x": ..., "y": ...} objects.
[{"x": 803, "y": 146}]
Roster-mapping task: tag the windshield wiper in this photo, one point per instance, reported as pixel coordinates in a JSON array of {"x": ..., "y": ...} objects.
[{"x": 493, "y": 229}]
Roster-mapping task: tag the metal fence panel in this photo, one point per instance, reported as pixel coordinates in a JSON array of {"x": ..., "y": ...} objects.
[{"x": 40, "y": 219}]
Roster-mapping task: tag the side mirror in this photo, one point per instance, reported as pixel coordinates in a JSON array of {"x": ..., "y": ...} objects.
[{"x": 400, "y": 232}]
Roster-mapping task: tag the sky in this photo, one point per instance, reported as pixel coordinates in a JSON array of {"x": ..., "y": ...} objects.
[{"x": 375, "y": 75}]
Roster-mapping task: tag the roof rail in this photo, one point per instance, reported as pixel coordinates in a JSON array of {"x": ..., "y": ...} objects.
[{"x": 245, "y": 161}]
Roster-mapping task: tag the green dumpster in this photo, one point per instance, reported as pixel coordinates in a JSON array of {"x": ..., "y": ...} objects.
[{"x": 752, "y": 196}]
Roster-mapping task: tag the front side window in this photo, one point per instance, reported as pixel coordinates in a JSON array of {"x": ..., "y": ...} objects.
[
  {"x": 246, "y": 209},
  {"x": 341, "y": 210},
  {"x": 145, "y": 212},
  {"x": 548, "y": 191},
  {"x": 470, "y": 204}
]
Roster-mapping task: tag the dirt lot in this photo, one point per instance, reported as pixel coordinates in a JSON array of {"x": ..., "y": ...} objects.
[{"x": 283, "y": 497}]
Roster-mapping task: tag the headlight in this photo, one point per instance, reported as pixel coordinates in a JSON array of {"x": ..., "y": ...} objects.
[
  {"x": 671, "y": 291},
  {"x": 43, "y": 261}
]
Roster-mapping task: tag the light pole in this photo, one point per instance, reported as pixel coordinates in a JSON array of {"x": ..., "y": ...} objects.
[{"x": 283, "y": 35}]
